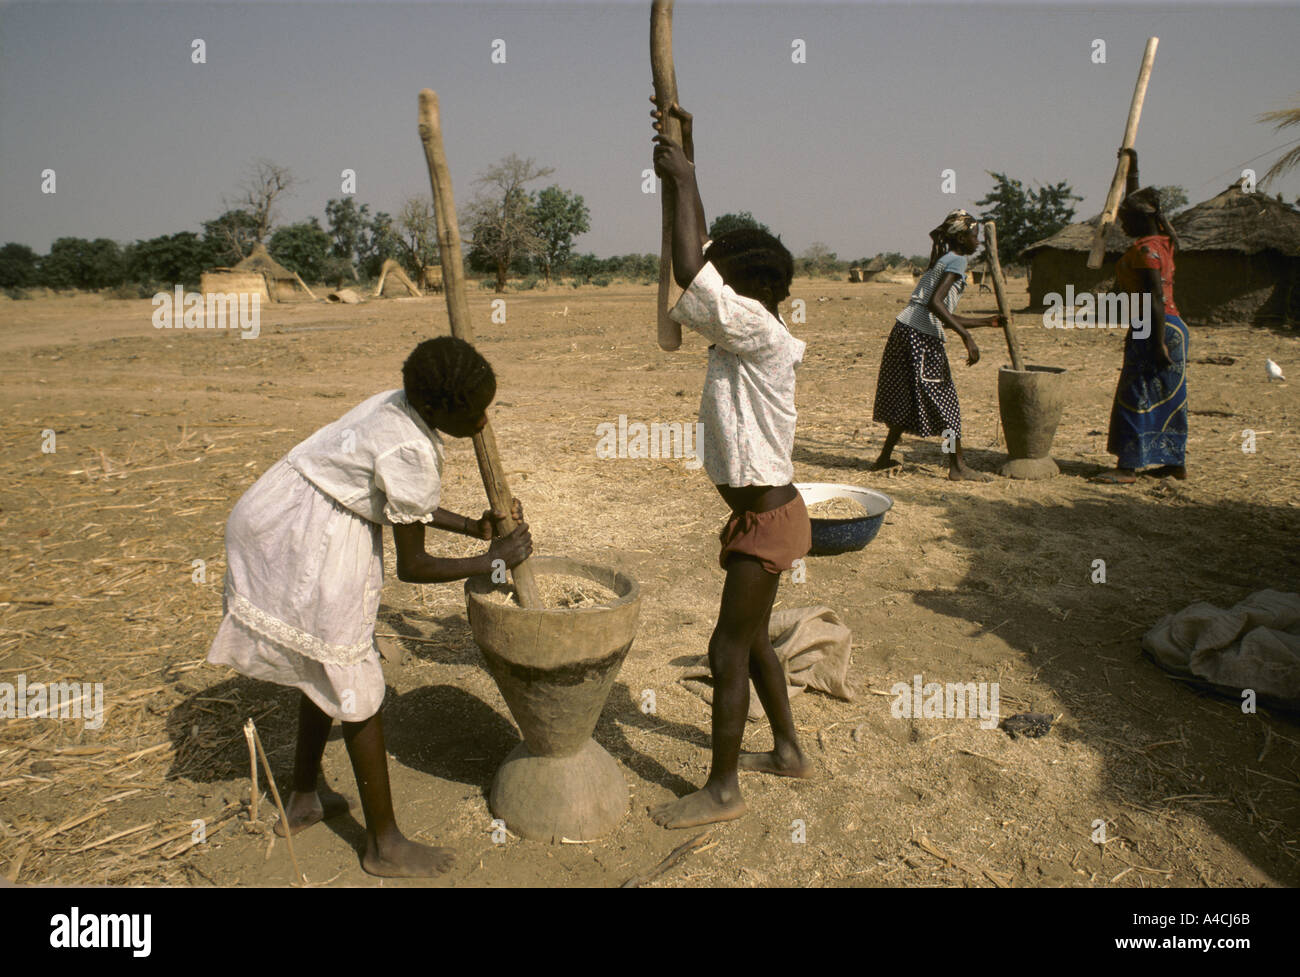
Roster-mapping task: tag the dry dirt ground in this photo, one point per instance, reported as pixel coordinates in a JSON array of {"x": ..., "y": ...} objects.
[{"x": 159, "y": 432}]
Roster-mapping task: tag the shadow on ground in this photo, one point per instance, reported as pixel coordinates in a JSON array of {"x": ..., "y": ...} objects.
[{"x": 1031, "y": 566}]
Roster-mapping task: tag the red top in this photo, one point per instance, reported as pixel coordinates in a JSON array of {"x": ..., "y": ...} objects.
[{"x": 1153, "y": 251}]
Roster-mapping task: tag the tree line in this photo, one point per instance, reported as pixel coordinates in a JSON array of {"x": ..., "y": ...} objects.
[{"x": 514, "y": 231}]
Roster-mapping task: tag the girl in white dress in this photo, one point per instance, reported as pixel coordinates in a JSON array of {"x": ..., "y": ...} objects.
[{"x": 304, "y": 557}]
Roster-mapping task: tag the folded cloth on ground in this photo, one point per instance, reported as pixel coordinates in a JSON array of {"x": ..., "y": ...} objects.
[
  {"x": 813, "y": 647},
  {"x": 1253, "y": 645}
]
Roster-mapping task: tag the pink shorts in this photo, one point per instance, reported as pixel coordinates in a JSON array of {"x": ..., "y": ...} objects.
[{"x": 775, "y": 538}]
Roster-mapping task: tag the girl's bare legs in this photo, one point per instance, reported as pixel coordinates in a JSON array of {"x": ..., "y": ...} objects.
[
  {"x": 304, "y": 806},
  {"x": 388, "y": 852},
  {"x": 786, "y": 758},
  {"x": 747, "y": 598}
]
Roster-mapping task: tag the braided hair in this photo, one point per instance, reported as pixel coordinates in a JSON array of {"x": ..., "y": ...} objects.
[
  {"x": 754, "y": 254},
  {"x": 449, "y": 374}
]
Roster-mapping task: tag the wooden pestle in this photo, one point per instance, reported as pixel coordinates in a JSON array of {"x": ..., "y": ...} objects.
[
  {"x": 453, "y": 279},
  {"x": 1098, "y": 253},
  {"x": 665, "y": 83},
  {"x": 1000, "y": 292}
]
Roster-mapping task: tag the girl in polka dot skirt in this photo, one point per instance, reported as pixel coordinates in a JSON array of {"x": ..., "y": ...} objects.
[{"x": 915, "y": 392}]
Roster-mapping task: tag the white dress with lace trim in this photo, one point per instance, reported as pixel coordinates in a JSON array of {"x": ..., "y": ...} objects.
[
  {"x": 303, "y": 582},
  {"x": 256, "y": 619}
]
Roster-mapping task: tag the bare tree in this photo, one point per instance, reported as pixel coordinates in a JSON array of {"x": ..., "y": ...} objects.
[
  {"x": 264, "y": 184},
  {"x": 501, "y": 217},
  {"x": 419, "y": 236}
]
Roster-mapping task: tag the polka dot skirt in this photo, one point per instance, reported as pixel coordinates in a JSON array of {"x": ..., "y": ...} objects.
[{"x": 915, "y": 390}]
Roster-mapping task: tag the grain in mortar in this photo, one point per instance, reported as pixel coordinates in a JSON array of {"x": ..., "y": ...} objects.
[{"x": 561, "y": 590}]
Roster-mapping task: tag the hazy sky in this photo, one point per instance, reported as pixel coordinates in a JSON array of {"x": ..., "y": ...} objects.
[{"x": 845, "y": 149}]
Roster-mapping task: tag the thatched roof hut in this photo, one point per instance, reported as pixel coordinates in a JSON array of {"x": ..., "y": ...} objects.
[
  {"x": 1062, "y": 259},
  {"x": 1238, "y": 260},
  {"x": 282, "y": 284},
  {"x": 855, "y": 273},
  {"x": 873, "y": 268}
]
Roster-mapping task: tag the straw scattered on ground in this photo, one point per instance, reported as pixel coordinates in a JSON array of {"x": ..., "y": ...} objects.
[{"x": 113, "y": 546}]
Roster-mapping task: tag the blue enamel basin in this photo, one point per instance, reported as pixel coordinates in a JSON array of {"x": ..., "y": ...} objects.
[{"x": 831, "y": 536}]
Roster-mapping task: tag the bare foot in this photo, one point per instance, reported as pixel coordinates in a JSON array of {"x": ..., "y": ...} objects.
[
  {"x": 882, "y": 464},
  {"x": 304, "y": 810},
  {"x": 398, "y": 858},
  {"x": 783, "y": 763},
  {"x": 964, "y": 473},
  {"x": 1168, "y": 471},
  {"x": 702, "y": 807}
]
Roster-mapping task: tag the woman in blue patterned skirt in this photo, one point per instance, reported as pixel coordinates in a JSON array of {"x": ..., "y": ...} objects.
[{"x": 1148, "y": 419}]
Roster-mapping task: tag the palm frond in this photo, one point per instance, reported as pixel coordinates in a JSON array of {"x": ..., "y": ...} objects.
[
  {"x": 1283, "y": 117},
  {"x": 1288, "y": 160}
]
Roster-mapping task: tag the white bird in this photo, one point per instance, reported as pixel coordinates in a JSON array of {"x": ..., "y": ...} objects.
[{"x": 1272, "y": 370}]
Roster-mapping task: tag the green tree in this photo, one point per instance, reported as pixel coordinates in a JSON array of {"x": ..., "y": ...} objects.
[
  {"x": 584, "y": 266},
  {"x": 303, "y": 247},
  {"x": 1172, "y": 198},
  {"x": 19, "y": 266},
  {"x": 890, "y": 258},
  {"x": 230, "y": 237},
  {"x": 560, "y": 216},
  {"x": 348, "y": 225},
  {"x": 732, "y": 222},
  {"x": 638, "y": 267},
  {"x": 169, "y": 259},
  {"x": 379, "y": 242},
  {"x": 74, "y": 262},
  {"x": 1026, "y": 215}
]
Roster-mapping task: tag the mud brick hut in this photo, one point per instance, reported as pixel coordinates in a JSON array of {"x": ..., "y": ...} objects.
[{"x": 1238, "y": 260}]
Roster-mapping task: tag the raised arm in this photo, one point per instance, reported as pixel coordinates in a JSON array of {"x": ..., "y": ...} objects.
[
  {"x": 674, "y": 166},
  {"x": 688, "y": 147},
  {"x": 1132, "y": 183}
]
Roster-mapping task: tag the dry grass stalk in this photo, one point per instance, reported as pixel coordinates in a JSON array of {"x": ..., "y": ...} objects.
[
  {"x": 673, "y": 857},
  {"x": 249, "y": 732},
  {"x": 270, "y": 781},
  {"x": 121, "y": 834}
]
